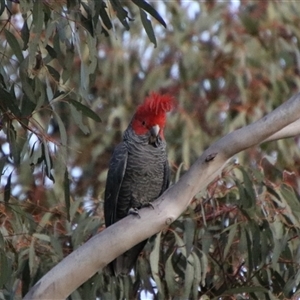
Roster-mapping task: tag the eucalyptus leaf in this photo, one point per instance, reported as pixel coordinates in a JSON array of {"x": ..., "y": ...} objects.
[
  {"x": 85, "y": 110},
  {"x": 14, "y": 44},
  {"x": 149, "y": 9},
  {"x": 148, "y": 27}
]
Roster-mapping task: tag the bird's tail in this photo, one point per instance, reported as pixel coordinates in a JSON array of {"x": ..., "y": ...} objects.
[{"x": 123, "y": 264}]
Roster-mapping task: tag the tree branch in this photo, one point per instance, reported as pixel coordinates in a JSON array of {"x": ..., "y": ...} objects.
[{"x": 94, "y": 255}]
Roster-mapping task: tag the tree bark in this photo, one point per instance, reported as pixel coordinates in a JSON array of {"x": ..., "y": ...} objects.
[{"x": 95, "y": 254}]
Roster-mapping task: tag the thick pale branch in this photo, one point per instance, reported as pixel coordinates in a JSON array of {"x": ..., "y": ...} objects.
[
  {"x": 291, "y": 130},
  {"x": 80, "y": 265}
]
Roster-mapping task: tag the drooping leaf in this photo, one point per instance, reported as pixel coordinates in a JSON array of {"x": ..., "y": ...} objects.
[
  {"x": 51, "y": 51},
  {"x": 28, "y": 86},
  {"x": 33, "y": 262},
  {"x": 25, "y": 35},
  {"x": 14, "y": 44},
  {"x": 170, "y": 276},
  {"x": 67, "y": 193},
  {"x": 85, "y": 110},
  {"x": 148, "y": 27},
  {"x": 104, "y": 16},
  {"x": 189, "y": 277},
  {"x": 188, "y": 235},
  {"x": 231, "y": 236},
  {"x": 245, "y": 289},
  {"x": 122, "y": 14},
  {"x": 250, "y": 253},
  {"x": 72, "y": 3},
  {"x": 38, "y": 17},
  {"x": 197, "y": 274},
  {"x": 27, "y": 108},
  {"x": 69, "y": 61},
  {"x": 154, "y": 263},
  {"x": 2, "y": 6},
  {"x": 77, "y": 117},
  {"x": 249, "y": 187},
  {"x": 149, "y": 9},
  {"x": 6, "y": 270},
  {"x": 8, "y": 102},
  {"x": 7, "y": 189},
  {"x": 87, "y": 23},
  {"x": 47, "y": 160},
  {"x": 12, "y": 141},
  {"x": 42, "y": 236},
  {"x": 55, "y": 75}
]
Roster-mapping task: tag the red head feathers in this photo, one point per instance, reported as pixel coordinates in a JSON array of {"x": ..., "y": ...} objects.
[{"x": 152, "y": 112}]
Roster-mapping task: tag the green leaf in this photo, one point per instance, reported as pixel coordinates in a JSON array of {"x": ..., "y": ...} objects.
[
  {"x": 51, "y": 51},
  {"x": 249, "y": 248},
  {"x": 180, "y": 244},
  {"x": 122, "y": 14},
  {"x": 231, "y": 236},
  {"x": 188, "y": 277},
  {"x": 67, "y": 193},
  {"x": 44, "y": 221},
  {"x": 87, "y": 24},
  {"x": 12, "y": 140},
  {"x": 32, "y": 258},
  {"x": 47, "y": 160},
  {"x": 53, "y": 73},
  {"x": 249, "y": 187},
  {"x": 6, "y": 270},
  {"x": 7, "y": 189},
  {"x": 77, "y": 117},
  {"x": 256, "y": 244},
  {"x": 104, "y": 16},
  {"x": 290, "y": 197},
  {"x": 2, "y": 8},
  {"x": 204, "y": 267},
  {"x": 41, "y": 236},
  {"x": 245, "y": 289},
  {"x": 27, "y": 107},
  {"x": 188, "y": 234},
  {"x": 8, "y": 102},
  {"x": 27, "y": 86},
  {"x": 148, "y": 27},
  {"x": 25, "y": 34},
  {"x": 85, "y": 110},
  {"x": 62, "y": 129},
  {"x": 38, "y": 16},
  {"x": 154, "y": 263},
  {"x": 69, "y": 61},
  {"x": 14, "y": 45},
  {"x": 2, "y": 164},
  {"x": 170, "y": 276},
  {"x": 149, "y": 9},
  {"x": 197, "y": 275}
]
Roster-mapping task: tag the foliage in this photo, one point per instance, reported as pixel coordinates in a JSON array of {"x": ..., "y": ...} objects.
[{"x": 67, "y": 65}]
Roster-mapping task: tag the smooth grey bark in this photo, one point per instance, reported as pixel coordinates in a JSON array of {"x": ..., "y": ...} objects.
[{"x": 84, "y": 262}]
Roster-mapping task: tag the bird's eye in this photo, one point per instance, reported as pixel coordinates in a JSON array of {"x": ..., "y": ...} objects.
[{"x": 143, "y": 123}]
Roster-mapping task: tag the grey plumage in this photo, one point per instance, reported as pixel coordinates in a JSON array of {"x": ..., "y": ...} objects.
[{"x": 138, "y": 174}]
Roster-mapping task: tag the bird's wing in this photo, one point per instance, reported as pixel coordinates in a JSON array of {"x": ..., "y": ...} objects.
[
  {"x": 166, "y": 180},
  {"x": 117, "y": 167}
]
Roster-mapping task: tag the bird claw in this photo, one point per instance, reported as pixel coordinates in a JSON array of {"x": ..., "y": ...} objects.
[
  {"x": 148, "y": 204},
  {"x": 134, "y": 211}
]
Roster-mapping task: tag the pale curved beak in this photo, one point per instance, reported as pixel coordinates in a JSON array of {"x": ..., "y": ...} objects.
[{"x": 155, "y": 130}]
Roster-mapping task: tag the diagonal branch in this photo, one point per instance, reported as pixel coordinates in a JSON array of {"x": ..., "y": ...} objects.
[{"x": 94, "y": 255}]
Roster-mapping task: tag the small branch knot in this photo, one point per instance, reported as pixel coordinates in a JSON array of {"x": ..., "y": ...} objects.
[
  {"x": 210, "y": 157},
  {"x": 169, "y": 221}
]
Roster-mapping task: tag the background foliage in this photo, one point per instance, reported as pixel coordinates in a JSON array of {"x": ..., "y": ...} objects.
[{"x": 67, "y": 65}]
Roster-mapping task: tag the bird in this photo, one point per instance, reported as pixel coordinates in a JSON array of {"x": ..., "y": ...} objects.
[{"x": 138, "y": 170}]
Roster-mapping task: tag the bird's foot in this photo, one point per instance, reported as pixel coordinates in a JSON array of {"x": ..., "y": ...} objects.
[
  {"x": 134, "y": 211},
  {"x": 147, "y": 204}
]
